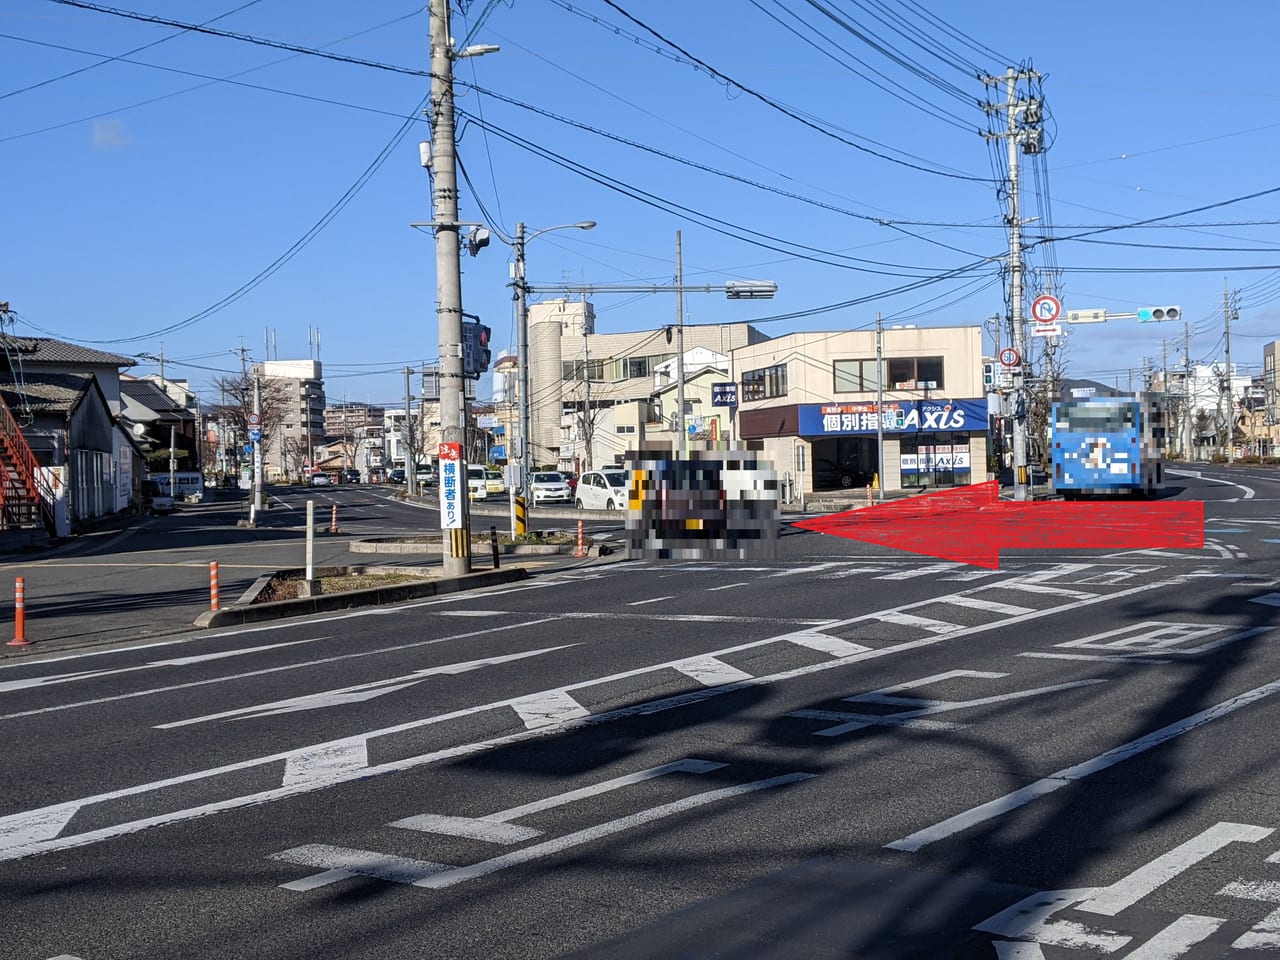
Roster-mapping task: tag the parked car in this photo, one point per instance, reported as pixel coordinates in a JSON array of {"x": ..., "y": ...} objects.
[
  {"x": 549, "y": 488},
  {"x": 154, "y": 499},
  {"x": 494, "y": 482},
  {"x": 395, "y": 476},
  {"x": 602, "y": 490},
  {"x": 351, "y": 475},
  {"x": 426, "y": 476},
  {"x": 827, "y": 475},
  {"x": 477, "y": 483},
  {"x": 320, "y": 480}
]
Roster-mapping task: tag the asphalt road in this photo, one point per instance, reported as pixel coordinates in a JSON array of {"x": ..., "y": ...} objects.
[
  {"x": 151, "y": 579},
  {"x": 847, "y": 752}
]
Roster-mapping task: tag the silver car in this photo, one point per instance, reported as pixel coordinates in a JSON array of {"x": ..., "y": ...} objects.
[{"x": 549, "y": 488}]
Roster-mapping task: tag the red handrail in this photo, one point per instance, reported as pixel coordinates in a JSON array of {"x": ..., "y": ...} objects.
[{"x": 29, "y": 496}]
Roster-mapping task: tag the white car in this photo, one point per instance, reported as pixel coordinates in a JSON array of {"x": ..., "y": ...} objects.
[
  {"x": 477, "y": 483},
  {"x": 321, "y": 480},
  {"x": 602, "y": 490},
  {"x": 549, "y": 488}
]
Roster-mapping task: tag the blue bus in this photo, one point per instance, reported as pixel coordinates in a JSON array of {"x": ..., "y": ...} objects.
[{"x": 1104, "y": 446}]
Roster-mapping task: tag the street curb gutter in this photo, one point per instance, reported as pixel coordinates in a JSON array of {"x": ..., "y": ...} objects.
[{"x": 373, "y": 596}]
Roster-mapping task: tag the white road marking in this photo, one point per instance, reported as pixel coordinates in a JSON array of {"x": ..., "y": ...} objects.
[
  {"x": 811, "y": 568},
  {"x": 36, "y": 826},
  {"x": 974, "y": 575},
  {"x": 549, "y": 848},
  {"x": 921, "y": 571},
  {"x": 430, "y": 823},
  {"x": 551, "y": 708},
  {"x": 1067, "y": 775},
  {"x": 475, "y": 613},
  {"x": 1162, "y": 637},
  {"x": 926, "y": 708},
  {"x": 489, "y": 829},
  {"x": 268, "y": 670},
  {"x": 1269, "y": 599},
  {"x": 687, "y": 617},
  {"x": 727, "y": 586},
  {"x": 710, "y": 671},
  {"x": 920, "y": 623},
  {"x": 848, "y": 722},
  {"x": 1248, "y": 491},
  {"x": 9, "y": 686},
  {"x": 359, "y": 693},
  {"x": 977, "y": 603},
  {"x": 1097, "y": 657},
  {"x": 341, "y": 863},
  {"x": 1125, "y": 892},
  {"x": 825, "y": 644},
  {"x": 1265, "y": 934},
  {"x": 640, "y": 603},
  {"x": 1028, "y": 919},
  {"x": 1032, "y": 587},
  {"x": 1177, "y": 938},
  {"x": 15, "y": 851},
  {"x": 325, "y": 763}
]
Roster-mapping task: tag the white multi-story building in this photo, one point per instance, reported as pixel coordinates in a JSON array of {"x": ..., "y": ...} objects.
[
  {"x": 573, "y": 368},
  {"x": 299, "y": 387}
]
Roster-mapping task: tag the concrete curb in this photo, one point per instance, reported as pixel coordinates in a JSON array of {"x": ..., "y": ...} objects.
[
  {"x": 393, "y": 545},
  {"x": 374, "y": 596}
]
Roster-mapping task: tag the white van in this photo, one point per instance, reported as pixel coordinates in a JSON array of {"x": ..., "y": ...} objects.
[{"x": 188, "y": 485}]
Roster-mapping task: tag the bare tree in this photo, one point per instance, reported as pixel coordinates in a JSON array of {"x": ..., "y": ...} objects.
[{"x": 238, "y": 391}]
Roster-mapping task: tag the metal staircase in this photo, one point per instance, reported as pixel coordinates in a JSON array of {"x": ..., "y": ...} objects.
[{"x": 26, "y": 494}]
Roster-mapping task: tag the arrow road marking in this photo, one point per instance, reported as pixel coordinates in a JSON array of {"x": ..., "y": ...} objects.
[
  {"x": 360, "y": 692},
  {"x": 497, "y": 827},
  {"x": 25, "y": 844},
  {"x": 8, "y": 686},
  {"x": 340, "y": 862}
]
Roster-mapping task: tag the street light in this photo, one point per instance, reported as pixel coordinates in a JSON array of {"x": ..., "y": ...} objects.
[{"x": 521, "y": 294}]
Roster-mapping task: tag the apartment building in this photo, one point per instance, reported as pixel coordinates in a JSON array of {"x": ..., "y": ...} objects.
[{"x": 297, "y": 386}]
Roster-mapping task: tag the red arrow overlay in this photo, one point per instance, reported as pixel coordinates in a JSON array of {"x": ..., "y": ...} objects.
[{"x": 972, "y": 525}]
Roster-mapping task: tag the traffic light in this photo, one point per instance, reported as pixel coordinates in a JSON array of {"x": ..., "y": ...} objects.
[
  {"x": 988, "y": 375},
  {"x": 1155, "y": 314},
  {"x": 476, "y": 354}
]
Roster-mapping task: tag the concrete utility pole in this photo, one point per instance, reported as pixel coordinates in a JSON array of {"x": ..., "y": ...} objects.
[
  {"x": 1021, "y": 132},
  {"x": 521, "y": 297},
  {"x": 1187, "y": 412},
  {"x": 257, "y": 445},
  {"x": 880, "y": 402},
  {"x": 1228, "y": 310},
  {"x": 453, "y": 402},
  {"x": 587, "y": 420},
  {"x": 682, "y": 442}
]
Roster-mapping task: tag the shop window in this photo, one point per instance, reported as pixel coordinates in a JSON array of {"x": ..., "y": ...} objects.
[
  {"x": 854, "y": 376},
  {"x": 905, "y": 372},
  {"x": 765, "y": 383}
]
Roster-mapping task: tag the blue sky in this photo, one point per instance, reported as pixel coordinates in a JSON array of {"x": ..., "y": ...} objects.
[{"x": 140, "y": 194}]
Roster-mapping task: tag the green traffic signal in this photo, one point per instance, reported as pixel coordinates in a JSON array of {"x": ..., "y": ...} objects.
[{"x": 1156, "y": 314}]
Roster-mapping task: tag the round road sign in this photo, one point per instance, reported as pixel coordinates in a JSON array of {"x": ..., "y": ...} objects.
[
  {"x": 254, "y": 419},
  {"x": 1009, "y": 357},
  {"x": 1046, "y": 308}
]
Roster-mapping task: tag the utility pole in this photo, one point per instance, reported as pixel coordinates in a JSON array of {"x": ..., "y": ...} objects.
[
  {"x": 1188, "y": 406},
  {"x": 521, "y": 295},
  {"x": 681, "y": 442},
  {"x": 1021, "y": 133},
  {"x": 1228, "y": 309},
  {"x": 880, "y": 404},
  {"x": 410, "y": 461},
  {"x": 257, "y": 446},
  {"x": 587, "y": 425},
  {"x": 453, "y": 402}
]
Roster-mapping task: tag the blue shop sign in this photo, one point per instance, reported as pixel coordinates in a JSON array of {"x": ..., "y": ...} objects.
[
  {"x": 897, "y": 416},
  {"x": 724, "y": 394}
]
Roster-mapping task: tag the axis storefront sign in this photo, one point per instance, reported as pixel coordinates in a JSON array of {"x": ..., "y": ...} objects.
[{"x": 897, "y": 416}]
